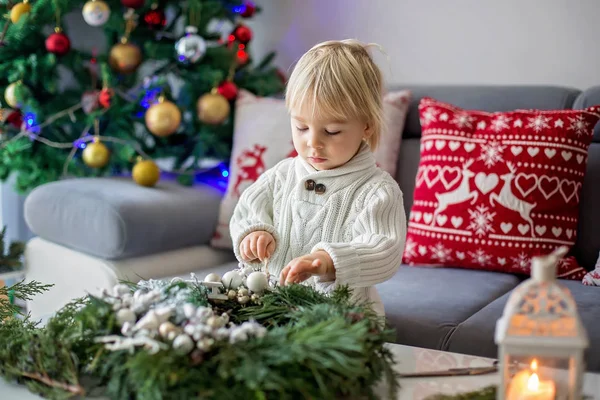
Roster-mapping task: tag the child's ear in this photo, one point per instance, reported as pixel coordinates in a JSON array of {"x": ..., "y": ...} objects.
[{"x": 368, "y": 132}]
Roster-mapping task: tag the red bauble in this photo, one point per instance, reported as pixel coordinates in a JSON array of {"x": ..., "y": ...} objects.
[
  {"x": 249, "y": 9},
  {"x": 155, "y": 19},
  {"x": 58, "y": 43},
  {"x": 105, "y": 97},
  {"x": 242, "y": 34},
  {"x": 242, "y": 57},
  {"x": 228, "y": 90},
  {"x": 15, "y": 118},
  {"x": 133, "y": 3}
]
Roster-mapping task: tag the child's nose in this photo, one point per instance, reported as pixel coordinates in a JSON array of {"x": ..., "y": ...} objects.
[{"x": 314, "y": 141}]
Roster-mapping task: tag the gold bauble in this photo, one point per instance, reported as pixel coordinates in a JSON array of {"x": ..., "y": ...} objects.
[
  {"x": 10, "y": 95},
  {"x": 213, "y": 108},
  {"x": 125, "y": 57},
  {"x": 146, "y": 173},
  {"x": 96, "y": 155},
  {"x": 163, "y": 118},
  {"x": 18, "y": 11}
]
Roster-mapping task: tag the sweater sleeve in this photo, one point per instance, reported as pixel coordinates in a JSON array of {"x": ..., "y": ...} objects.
[
  {"x": 375, "y": 252},
  {"x": 253, "y": 212}
]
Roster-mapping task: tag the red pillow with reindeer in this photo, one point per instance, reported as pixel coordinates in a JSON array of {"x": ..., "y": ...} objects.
[{"x": 495, "y": 189}]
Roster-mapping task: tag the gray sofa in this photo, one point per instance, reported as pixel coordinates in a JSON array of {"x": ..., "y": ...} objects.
[
  {"x": 457, "y": 309},
  {"x": 93, "y": 232}
]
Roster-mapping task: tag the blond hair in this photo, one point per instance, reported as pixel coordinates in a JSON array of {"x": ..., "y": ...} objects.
[{"x": 339, "y": 79}]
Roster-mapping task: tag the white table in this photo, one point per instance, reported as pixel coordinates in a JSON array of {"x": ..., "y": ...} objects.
[{"x": 409, "y": 359}]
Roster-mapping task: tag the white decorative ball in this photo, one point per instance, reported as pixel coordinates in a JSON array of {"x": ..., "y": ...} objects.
[
  {"x": 257, "y": 282},
  {"x": 125, "y": 315},
  {"x": 96, "y": 12},
  {"x": 120, "y": 290},
  {"x": 232, "y": 279},
  {"x": 212, "y": 277},
  {"x": 247, "y": 270},
  {"x": 183, "y": 344}
]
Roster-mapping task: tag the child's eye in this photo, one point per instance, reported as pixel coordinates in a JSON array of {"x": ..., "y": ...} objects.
[
  {"x": 332, "y": 133},
  {"x": 302, "y": 129}
]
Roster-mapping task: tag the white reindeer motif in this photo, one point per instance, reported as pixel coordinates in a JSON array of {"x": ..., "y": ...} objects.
[
  {"x": 507, "y": 198},
  {"x": 459, "y": 195}
]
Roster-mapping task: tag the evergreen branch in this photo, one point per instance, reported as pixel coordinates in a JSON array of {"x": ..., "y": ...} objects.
[{"x": 46, "y": 380}]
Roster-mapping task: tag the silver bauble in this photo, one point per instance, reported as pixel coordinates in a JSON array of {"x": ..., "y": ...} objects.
[{"x": 191, "y": 47}]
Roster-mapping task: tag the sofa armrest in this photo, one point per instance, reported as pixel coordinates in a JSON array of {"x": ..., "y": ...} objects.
[{"x": 114, "y": 218}]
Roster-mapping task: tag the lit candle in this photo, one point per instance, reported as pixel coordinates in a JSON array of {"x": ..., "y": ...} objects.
[{"x": 526, "y": 385}]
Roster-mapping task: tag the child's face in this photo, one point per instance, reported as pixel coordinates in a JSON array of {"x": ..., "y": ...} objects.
[{"x": 324, "y": 142}]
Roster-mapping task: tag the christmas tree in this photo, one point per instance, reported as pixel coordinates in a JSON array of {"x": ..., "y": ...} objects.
[{"x": 117, "y": 119}]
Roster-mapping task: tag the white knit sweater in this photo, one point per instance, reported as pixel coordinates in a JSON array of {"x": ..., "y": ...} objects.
[{"x": 359, "y": 220}]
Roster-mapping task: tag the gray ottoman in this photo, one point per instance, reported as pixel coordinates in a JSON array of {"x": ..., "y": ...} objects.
[{"x": 93, "y": 232}]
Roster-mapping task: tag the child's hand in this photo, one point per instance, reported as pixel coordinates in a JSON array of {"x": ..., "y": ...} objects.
[
  {"x": 302, "y": 268},
  {"x": 257, "y": 245}
]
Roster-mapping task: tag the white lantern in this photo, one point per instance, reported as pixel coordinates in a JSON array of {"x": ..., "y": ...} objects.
[{"x": 540, "y": 337}]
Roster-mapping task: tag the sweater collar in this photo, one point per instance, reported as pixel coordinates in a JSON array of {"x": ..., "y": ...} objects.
[{"x": 360, "y": 163}]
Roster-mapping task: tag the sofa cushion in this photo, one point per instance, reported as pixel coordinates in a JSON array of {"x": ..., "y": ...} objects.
[
  {"x": 476, "y": 335},
  {"x": 426, "y": 304},
  {"x": 495, "y": 189},
  {"x": 114, "y": 218}
]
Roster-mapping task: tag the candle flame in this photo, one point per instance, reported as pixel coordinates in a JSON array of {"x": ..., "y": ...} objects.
[
  {"x": 533, "y": 383},
  {"x": 534, "y": 365}
]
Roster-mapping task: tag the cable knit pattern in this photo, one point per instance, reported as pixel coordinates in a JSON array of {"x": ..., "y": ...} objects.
[{"x": 359, "y": 220}]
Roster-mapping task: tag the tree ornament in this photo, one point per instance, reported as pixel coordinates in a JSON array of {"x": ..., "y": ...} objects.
[
  {"x": 105, "y": 97},
  {"x": 242, "y": 57},
  {"x": 13, "y": 117},
  {"x": 163, "y": 118},
  {"x": 243, "y": 299},
  {"x": 242, "y": 34},
  {"x": 232, "y": 279},
  {"x": 125, "y": 57},
  {"x": 168, "y": 330},
  {"x": 248, "y": 10},
  {"x": 155, "y": 18},
  {"x": 228, "y": 90},
  {"x": 191, "y": 47},
  {"x": 96, "y": 12},
  {"x": 213, "y": 108},
  {"x": 232, "y": 294},
  {"x": 146, "y": 173},
  {"x": 10, "y": 95},
  {"x": 19, "y": 10},
  {"x": 125, "y": 315},
  {"x": 133, "y": 3},
  {"x": 96, "y": 154},
  {"x": 257, "y": 282},
  {"x": 58, "y": 43},
  {"x": 183, "y": 344}
]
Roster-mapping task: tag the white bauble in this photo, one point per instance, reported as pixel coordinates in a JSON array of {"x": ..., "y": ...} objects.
[
  {"x": 232, "y": 279},
  {"x": 212, "y": 277},
  {"x": 183, "y": 344},
  {"x": 125, "y": 315},
  {"x": 257, "y": 282},
  {"x": 247, "y": 270},
  {"x": 96, "y": 12}
]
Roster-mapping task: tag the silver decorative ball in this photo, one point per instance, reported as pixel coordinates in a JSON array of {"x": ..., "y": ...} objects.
[
  {"x": 183, "y": 344},
  {"x": 125, "y": 315},
  {"x": 232, "y": 279},
  {"x": 243, "y": 299},
  {"x": 257, "y": 282},
  {"x": 191, "y": 47},
  {"x": 232, "y": 294}
]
